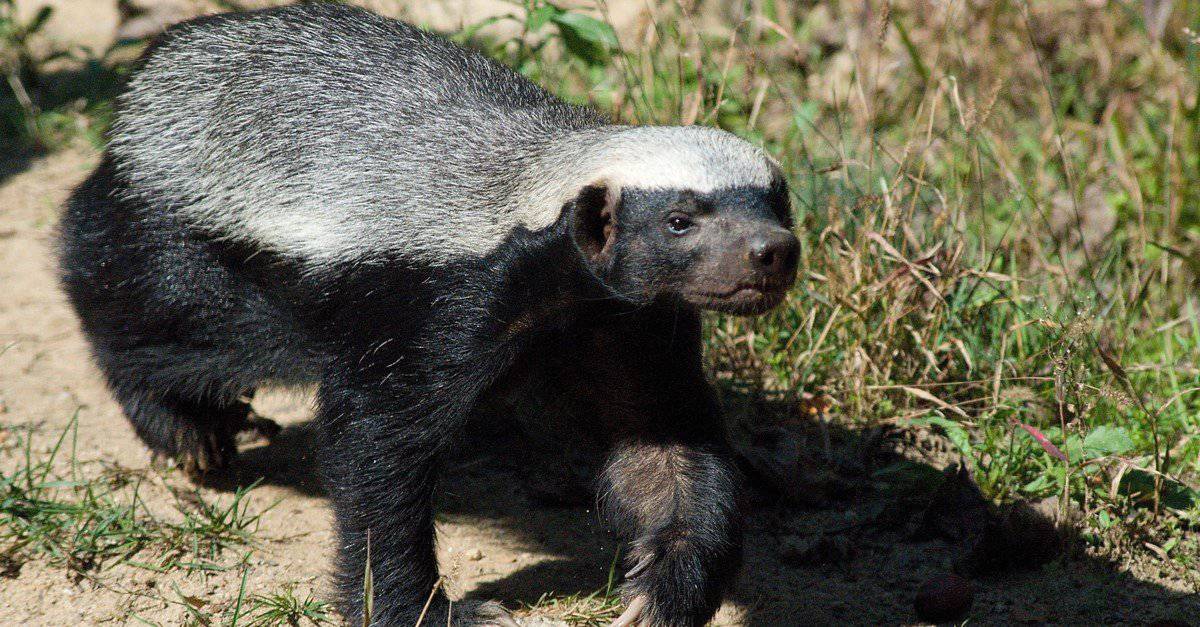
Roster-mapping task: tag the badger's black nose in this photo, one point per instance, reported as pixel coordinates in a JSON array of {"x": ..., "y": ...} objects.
[{"x": 774, "y": 252}]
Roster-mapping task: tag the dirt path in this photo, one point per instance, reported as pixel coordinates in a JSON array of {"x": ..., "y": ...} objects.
[
  {"x": 841, "y": 563},
  {"x": 494, "y": 541}
]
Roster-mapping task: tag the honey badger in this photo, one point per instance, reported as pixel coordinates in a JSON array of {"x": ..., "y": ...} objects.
[{"x": 316, "y": 194}]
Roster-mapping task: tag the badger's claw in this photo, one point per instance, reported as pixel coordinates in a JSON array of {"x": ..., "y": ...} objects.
[
  {"x": 493, "y": 614},
  {"x": 640, "y": 566},
  {"x": 203, "y": 455},
  {"x": 632, "y": 616},
  {"x": 257, "y": 429}
]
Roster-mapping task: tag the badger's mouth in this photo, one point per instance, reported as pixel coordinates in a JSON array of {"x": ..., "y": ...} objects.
[{"x": 743, "y": 299}]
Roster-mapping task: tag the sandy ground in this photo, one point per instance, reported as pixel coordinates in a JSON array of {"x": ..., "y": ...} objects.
[{"x": 495, "y": 542}]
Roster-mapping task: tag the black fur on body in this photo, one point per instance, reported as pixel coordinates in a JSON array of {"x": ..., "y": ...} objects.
[{"x": 187, "y": 318}]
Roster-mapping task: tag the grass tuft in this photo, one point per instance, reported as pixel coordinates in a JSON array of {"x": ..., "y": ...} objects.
[
  {"x": 1001, "y": 247},
  {"x": 57, "y": 510},
  {"x": 286, "y": 608}
]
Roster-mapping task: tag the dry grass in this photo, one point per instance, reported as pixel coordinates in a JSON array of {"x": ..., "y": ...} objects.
[
  {"x": 1001, "y": 233},
  {"x": 1001, "y": 238}
]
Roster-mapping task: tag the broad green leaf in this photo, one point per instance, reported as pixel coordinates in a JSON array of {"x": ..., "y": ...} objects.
[
  {"x": 907, "y": 477},
  {"x": 1039, "y": 485},
  {"x": 586, "y": 38},
  {"x": 538, "y": 17},
  {"x": 955, "y": 432},
  {"x": 1174, "y": 495},
  {"x": 1073, "y": 447},
  {"x": 1106, "y": 440}
]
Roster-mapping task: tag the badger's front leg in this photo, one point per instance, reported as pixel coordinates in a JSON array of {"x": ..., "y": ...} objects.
[
  {"x": 381, "y": 439},
  {"x": 676, "y": 499},
  {"x": 669, "y": 485}
]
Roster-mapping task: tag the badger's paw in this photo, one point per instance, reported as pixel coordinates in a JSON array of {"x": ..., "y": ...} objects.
[
  {"x": 667, "y": 588},
  {"x": 255, "y": 429},
  {"x": 475, "y": 614},
  {"x": 203, "y": 455},
  {"x": 634, "y": 614}
]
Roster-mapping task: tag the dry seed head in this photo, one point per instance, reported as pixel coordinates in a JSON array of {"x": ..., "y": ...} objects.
[
  {"x": 885, "y": 18},
  {"x": 1117, "y": 397},
  {"x": 978, "y": 111}
]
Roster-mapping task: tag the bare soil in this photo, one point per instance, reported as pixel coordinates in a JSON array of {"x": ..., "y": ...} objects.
[{"x": 494, "y": 540}]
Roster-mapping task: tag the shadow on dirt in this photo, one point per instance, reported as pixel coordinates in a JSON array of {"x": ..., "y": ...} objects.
[
  {"x": 287, "y": 461},
  {"x": 872, "y": 530}
]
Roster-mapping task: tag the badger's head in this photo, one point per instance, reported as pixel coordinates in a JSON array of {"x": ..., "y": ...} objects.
[{"x": 694, "y": 214}]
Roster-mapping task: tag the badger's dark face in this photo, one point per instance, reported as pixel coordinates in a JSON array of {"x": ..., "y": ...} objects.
[{"x": 728, "y": 250}]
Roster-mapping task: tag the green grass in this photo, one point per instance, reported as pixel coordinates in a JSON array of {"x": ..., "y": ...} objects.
[
  {"x": 285, "y": 608},
  {"x": 90, "y": 517},
  {"x": 1001, "y": 239},
  {"x": 282, "y": 608}
]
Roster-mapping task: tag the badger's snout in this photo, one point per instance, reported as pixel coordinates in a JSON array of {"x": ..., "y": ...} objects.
[
  {"x": 751, "y": 267},
  {"x": 771, "y": 255}
]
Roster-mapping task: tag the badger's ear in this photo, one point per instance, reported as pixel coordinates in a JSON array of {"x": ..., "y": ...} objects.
[{"x": 595, "y": 220}]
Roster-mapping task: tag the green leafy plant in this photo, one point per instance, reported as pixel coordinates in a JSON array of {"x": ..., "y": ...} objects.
[{"x": 19, "y": 64}]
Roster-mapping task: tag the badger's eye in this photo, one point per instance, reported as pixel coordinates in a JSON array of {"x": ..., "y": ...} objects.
[{"x": 679, "y": 224}]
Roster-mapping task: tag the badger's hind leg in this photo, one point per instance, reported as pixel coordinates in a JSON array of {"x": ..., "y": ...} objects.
[
  {"x": 186, "y": 404},
  {"x": 181, "y": 340},
  {"x": 197, "y": 419}
]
